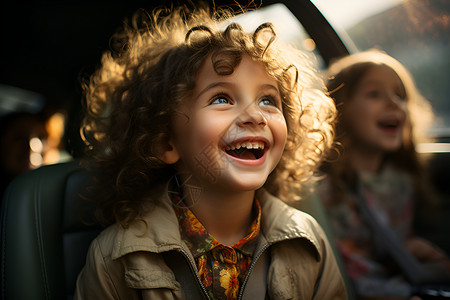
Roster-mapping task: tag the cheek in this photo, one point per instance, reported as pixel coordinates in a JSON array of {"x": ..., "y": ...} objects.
[
  {"x": 279, "y": 131},
  {"x": 210, "y": 129},
  {"x": 360, "y": 126},
  {"x": 202, "y": 132},
  {"x": 357, "y": 123},
  {"x": 360, "y": 114}
]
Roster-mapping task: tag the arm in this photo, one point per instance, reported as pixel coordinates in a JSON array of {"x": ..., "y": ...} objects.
[
  {"x": 94, "y": 281},
  {"x": 425, "y": 251}
]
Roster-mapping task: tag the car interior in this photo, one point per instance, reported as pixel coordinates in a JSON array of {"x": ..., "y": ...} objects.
[{"x": 48, "y": 46}]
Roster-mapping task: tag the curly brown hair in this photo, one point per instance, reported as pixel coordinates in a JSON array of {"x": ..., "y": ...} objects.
[
  {"x": 344, "y": 76},
  {"x": 132, "y": 99}
]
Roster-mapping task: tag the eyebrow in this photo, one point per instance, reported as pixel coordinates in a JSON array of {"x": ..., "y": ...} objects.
[
  {"x": 225, "y": 84},
  {"x": 213, "y": 85}
]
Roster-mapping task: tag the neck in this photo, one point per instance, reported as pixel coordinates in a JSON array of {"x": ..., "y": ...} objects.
[
  {"x": 226, "y": 215},
  {"x": 368, "y": 160}
]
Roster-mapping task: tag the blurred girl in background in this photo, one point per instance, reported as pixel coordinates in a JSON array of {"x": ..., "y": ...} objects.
[{"x": 377, "y": 176}]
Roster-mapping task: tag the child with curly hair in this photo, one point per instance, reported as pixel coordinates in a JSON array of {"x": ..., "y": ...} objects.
[
  {"x": 195, "y": 132},
  {"x": 377, "y": 182}
]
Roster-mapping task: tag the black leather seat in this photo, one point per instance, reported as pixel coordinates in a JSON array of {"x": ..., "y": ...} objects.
[{"x": 46, "y": 228}]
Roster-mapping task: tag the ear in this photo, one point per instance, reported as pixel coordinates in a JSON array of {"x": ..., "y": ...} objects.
[{"x": 169, "y": 153}]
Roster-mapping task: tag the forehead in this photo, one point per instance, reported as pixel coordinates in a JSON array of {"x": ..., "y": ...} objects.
[
  {"x": 381, "y": 75},
  {"x": 246, "y": 71}
]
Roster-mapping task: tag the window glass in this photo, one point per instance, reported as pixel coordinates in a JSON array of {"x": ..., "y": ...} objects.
[
  {"x": 416, "y": 32},
  {"x": 288, "y": 27}
]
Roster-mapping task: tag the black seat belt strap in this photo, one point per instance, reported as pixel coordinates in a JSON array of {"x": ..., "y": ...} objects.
[{"x": 414, "y": 271}]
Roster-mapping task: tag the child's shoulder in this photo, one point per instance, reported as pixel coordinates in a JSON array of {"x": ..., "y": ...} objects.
[
  {"x": 103, "y": 244},
  {"x": 284, "y": 222},
  {"x": 155, "y": 230}
]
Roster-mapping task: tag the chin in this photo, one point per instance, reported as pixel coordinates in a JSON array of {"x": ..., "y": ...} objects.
[
  {"x": 251, "y": 187},
  {"x": 246, "y": 184},
  {"x": 391, "y": 147}
]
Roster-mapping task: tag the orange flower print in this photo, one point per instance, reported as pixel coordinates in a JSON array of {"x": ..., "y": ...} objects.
[
  {"x": 244, "y": 264},
  {"x": 194, "y": 226},
  {"x": 229, "y": 281},
  {"x": 205, "y": 276}
]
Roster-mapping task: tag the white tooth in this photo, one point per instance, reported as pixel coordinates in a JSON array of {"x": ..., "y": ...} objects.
[
  {"x": 248, "y": 145},
  {"x": 238, "y": 146},
  {"x": 262, "y": 146},
  {"x": 255, "y": 145}
]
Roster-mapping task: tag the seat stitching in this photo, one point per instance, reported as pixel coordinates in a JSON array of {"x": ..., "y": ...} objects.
[{"x": 37, "y": 211}]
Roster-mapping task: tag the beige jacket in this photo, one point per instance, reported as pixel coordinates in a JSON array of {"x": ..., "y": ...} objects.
[{"x": 131, "y": 263}]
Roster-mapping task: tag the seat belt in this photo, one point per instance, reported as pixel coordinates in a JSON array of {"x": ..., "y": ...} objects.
[{"x": 415, "y": 272}]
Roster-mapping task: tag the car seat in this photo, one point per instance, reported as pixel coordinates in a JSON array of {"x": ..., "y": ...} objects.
[
  {"x": 312, "y": 204},
  {"x": 46, "y": 229}
]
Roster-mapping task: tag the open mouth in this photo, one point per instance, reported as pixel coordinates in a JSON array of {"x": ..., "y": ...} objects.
[
  {"x": 246, "y": 150},
  {"x": 389, "y": 124}
]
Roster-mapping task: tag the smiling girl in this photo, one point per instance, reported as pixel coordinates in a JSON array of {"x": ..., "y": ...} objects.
[
  {"x": 195, "y": 133},
  {"x": 381, "y": 117}
]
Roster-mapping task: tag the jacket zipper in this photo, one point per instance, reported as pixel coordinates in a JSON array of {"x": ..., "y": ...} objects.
[
  {"x": 241, "y": 292},
  {"x": 194, "y": 271}
]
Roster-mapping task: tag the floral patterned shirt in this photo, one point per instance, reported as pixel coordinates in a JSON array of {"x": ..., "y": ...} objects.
[{"x": 221, "y": 268}]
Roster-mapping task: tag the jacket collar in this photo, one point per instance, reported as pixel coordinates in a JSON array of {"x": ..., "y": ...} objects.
[
  {"x": 158, "y": 230},
  {"x": 281, "y": 222}
]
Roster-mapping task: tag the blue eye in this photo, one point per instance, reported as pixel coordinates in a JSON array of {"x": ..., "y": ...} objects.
[
  {"x": 268, "y": 101},
  {"x": 220, "y": 100}
]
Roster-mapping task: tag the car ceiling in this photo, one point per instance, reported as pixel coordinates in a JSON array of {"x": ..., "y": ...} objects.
[{"x": 47, "y": 45}]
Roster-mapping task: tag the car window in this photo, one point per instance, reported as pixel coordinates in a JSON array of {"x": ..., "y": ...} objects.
[
  {"x": 416, "y": 32},
  {"x": 288, "y": 27}
]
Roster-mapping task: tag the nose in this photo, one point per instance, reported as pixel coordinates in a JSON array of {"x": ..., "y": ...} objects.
[
  {"x": 252, "y": 116},
  {"x": 395, "y": 101}
]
